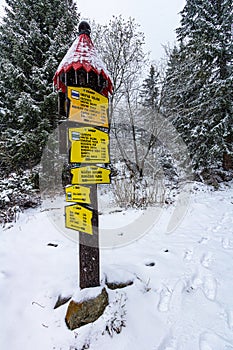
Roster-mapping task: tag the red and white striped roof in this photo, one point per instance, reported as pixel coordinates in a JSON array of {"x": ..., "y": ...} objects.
[{"x": 82, "y": 54}]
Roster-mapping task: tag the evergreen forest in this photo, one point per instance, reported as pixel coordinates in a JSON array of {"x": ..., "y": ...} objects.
[{"x": 175, "y": 119}]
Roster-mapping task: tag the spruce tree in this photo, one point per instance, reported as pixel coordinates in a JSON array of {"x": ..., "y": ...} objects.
[
  {"x": 150, "y": 90},
  {"x": 34, "y": 37},
  {"x": 201, "y": 104}
]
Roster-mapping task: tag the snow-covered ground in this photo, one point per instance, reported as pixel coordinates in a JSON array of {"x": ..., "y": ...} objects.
[{"x": 181, "y": 298}]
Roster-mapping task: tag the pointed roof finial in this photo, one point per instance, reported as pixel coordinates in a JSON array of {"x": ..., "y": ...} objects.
[
  {"x": 84, "y": 28},
  {"x": 82, "y": 55}
]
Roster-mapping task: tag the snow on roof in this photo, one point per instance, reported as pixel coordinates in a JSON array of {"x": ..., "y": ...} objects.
[{"x": 82, "y": 54}]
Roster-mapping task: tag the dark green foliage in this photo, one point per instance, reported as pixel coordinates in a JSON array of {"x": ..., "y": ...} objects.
[
  {"x": 198, "y": 89},
  {"x": 34, "y": 37},
  {"x": 18, "y": 192},
  {"x": 150, "y": 90}
]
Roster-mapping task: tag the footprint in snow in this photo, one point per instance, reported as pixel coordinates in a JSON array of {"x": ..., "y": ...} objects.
[
  {"x": 195, "y": 283},
  {"x": 207, "y": 259},
  {"x": 216, "y": 228},
  {"x": 212, "y": 341},
  {"x": 227, "y": 243},
  {"x": 210, "y": 287},
  {"x": 203, "y": 240},
  {"x": 205, "y": 346},
  {"x": 164, "y": 301},
  {"x": 188, "y": 255},
  {"x": 168, "y": 343}
]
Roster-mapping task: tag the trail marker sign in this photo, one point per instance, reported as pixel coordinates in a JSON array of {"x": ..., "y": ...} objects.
[
  {"x": 87, "y": 106},
  {"x": 79, "y": 194},
  {"x": 79, "y": 218},
  {"x": 89, "y": 145},
  {"x": 90, "y": 174}
]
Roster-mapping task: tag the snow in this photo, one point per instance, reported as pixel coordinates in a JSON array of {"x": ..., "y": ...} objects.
[
  {"x": 82, "y": 50},
  {"x": 86, "y": 294},
  {"x": 181, "y": 298}
]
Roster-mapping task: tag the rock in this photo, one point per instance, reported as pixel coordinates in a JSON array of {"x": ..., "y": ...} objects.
[
  {"x": 117, "y": 277},
  {"x": 152, "y": 263},
  {"x": 52, "y": 245},
  {"x": 116, "y": 285},
  {"x": 61, "y": 300},
  {"x": 81, "y": 313}
]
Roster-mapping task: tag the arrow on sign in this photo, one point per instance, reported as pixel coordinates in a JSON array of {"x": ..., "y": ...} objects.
[
  {"x": 79, "y": 218},
  {"x": 76, "y": 193},
  {"x": 90, "y": 175}
]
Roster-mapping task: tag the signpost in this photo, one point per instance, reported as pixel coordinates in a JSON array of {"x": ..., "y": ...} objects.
[
  {"x": 79, "y": 194},
  {"x": 83, "y": 86},
  {"x": 88, "y": 145},
  {"x": 90, "y": 175},
  {"x": 79, "y": 218},
  {"x": 87, "y": 106}
]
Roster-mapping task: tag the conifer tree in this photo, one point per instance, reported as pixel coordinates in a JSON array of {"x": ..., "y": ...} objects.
[
  {"x": 34, "y": 37},
  {"x": 150, "y": 90},
  {"x": 201, "y": 69}
]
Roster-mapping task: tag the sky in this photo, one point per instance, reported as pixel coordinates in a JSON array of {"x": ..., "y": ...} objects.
[{"x": 158, "y": 18}]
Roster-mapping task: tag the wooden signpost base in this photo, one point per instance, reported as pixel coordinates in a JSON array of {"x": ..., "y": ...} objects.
[{"x": 89, "y": 249}]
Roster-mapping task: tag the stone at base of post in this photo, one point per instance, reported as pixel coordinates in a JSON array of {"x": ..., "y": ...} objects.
[{"x": 80, "y": 313}]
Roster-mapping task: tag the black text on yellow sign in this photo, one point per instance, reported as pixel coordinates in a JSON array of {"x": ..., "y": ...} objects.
[
  {"x": 88, "y": 145},
  {"x": 90, "y": 175},
  {"x": 87, "y": 106},
  {"x": 79, "y": 194},
  {"x": 79, "y": 218}
]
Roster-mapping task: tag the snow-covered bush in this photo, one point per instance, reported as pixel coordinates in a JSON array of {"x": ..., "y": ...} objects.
[
  {"x": 131, "y": 191},
  {"x": 115, "y": 314},
  {"x": 18, "y": 192},
  {"x": 135, "y": 193}
]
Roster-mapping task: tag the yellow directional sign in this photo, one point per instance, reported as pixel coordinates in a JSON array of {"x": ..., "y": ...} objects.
[
  {"x": 90, "y": 175},
  {"x": 79, "y": 194},
  {"x": 88, "y": 145},
  {"x": 79, "y": 218},
  {"x": 87, "y": 106}
]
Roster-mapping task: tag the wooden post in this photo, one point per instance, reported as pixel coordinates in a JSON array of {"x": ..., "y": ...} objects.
[
  {"x": 89, "y": 249},
  {"x": 84, "y": 101}
]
